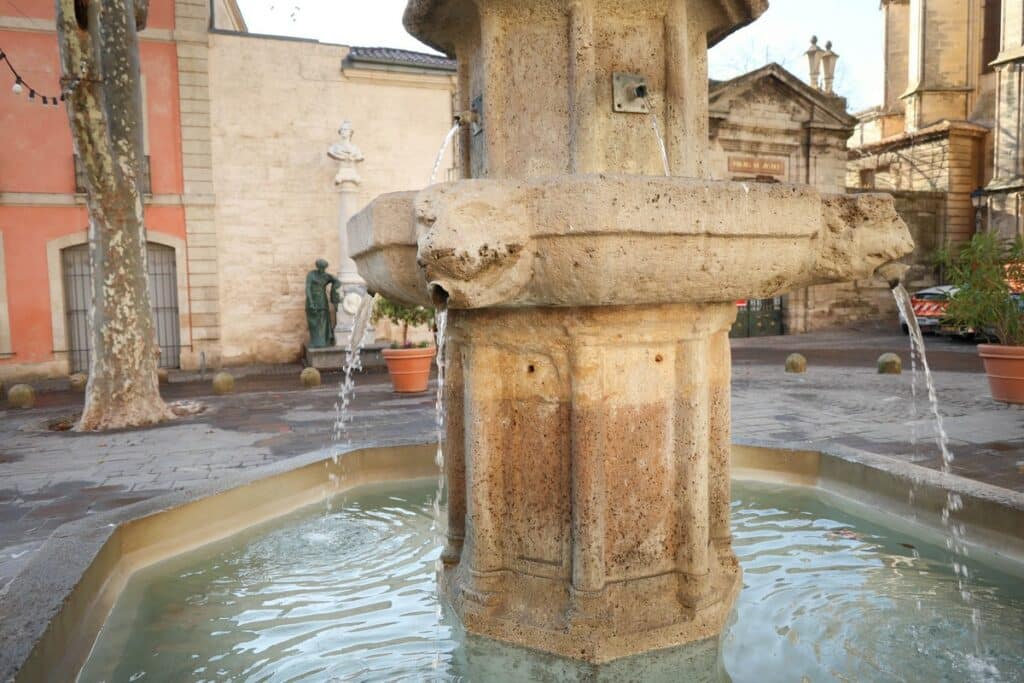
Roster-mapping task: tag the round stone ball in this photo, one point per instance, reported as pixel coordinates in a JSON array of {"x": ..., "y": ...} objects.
[
  {"x": 78, "y": 381},
  {"x": 162, "y": 376},
  {"x": 795, "y": 362},
  {"x": 889, "y": 364},
  {"x": 21, "y": 396},
  {"x": 310, "y": 378},
  {"x": 223, "y": 383}
]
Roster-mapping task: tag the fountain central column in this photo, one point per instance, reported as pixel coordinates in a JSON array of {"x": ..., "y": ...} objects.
[
  {"x": 588, "y": 474},
  {"x": 588, "y": 466},
  {"x": 589, "y": 302}
]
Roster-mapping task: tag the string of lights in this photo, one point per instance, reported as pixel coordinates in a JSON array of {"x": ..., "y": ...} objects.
[{"x": 21, "y": 86}]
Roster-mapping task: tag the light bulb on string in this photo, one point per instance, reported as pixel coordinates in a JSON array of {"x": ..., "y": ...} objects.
[{"x": 17, "y": 89}]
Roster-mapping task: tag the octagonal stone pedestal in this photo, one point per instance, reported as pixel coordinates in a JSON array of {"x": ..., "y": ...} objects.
[{"x": 588, "y": 475}]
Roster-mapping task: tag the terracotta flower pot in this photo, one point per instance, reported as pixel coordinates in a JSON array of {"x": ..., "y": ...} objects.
[
  {"x": 1004, "y": 366},
  {"x": 409, "y": 368}
]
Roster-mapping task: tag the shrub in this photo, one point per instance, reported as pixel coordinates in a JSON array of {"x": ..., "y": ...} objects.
[
  {"x": 400, "y": 314},
  {"x": 987, "y": 270}
]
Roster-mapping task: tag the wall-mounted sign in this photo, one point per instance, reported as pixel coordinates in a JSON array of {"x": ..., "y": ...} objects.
[{"x": 757, "y": 166}]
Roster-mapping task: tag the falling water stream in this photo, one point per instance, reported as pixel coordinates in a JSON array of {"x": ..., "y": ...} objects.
[
  {"x": 353, "y": 362},
  {"x": 437, "y": 526},
  {"x": 657, "y": 134},
  {"x": 955, "y": 541},
  {"x": 444, "y": 148}
]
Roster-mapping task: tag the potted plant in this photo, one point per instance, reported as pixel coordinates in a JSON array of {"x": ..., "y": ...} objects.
[
  {"x": 408, "y": 365},
  {"x": 989, "y": 272}
]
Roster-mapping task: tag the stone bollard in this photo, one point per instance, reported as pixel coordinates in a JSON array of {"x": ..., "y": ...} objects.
[
  {"x": 795, "y": 362},
  {"x": 21, "y": 396},
  {"x": 223, "y": 383},
  {"x": 163, "y": 376},
  {"x": 78, "y": 381},
  {"x": 889, "y": 364},
  {"x": 310, "y": 378}
]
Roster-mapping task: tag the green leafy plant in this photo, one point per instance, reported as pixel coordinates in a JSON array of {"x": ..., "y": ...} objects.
[
  {"x": 986, "y": 270},
  {"x": 400, "y": 314}
]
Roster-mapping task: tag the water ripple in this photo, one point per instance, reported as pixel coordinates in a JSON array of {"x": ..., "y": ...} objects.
[{"x": 350, "y": 596}]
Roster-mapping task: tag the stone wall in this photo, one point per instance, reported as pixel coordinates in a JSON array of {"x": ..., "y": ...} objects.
[
  {"x": 946, "y": 158},
  {"x": 944, "y": 60},
  {"x": 770, "y": 116},
  {"x": 276, "y": 105}
]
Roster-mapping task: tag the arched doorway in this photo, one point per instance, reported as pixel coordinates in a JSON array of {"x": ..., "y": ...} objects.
[{"x": 163, "y": 290}]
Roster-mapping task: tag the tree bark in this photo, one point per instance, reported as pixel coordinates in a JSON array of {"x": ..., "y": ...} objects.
[{"x": 102, "y": 86}]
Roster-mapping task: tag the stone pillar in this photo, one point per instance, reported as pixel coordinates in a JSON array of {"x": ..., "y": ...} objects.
[
  {"x": 201, "y": 346},
  {"x": 347, "y": 182},
  {"x": 940, "y": 74},
  {"x": 587, "y": 447},
  {"x": 454, "y": 451}
]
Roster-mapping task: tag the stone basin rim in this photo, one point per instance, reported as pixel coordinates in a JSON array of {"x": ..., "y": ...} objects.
[{"x": 75, "y": 546}]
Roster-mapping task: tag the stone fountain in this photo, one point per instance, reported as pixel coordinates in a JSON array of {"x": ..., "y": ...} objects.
[{"x": 588, "y": 363}]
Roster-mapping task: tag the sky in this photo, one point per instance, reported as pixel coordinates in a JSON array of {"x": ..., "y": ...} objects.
[{"x": 782, "y": 34}]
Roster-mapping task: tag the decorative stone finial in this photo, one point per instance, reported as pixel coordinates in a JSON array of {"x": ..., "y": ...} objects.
[
  {"x": 348, "y": 154},
  {"x": 828, "y": 63},
  {"x": 814, "y": 62}
]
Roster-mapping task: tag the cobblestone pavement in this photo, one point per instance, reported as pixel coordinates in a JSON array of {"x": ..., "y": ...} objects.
[{"x": 48, "y": 478}]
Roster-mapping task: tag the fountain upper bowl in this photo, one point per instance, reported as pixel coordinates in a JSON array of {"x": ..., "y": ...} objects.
[{"x": 606, "y": 240}]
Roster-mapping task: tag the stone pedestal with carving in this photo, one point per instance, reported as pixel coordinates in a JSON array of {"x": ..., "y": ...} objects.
[{"x": 347, "y": 182}]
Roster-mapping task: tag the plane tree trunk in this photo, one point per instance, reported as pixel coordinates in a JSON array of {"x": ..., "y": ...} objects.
[{"x": 99, "y": 52}]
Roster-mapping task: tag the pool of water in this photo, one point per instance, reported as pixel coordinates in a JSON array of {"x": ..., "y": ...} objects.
[{"x": 346, "y": 592}]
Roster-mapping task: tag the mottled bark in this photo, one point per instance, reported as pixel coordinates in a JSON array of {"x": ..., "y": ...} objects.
[{"x": 100, "y": 62}]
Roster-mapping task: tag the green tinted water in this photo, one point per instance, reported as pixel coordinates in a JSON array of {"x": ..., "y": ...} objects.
[{"x": 348, "y": 594}]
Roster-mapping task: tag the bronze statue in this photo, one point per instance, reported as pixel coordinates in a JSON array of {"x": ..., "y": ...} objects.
[{"x": 318, "y": 305}]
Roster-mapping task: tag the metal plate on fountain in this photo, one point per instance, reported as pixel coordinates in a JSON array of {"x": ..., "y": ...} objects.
[{"x": 629, "y": 93}]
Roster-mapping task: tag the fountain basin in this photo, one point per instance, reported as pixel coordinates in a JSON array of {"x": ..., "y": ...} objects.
[
  {"x": 610, "y": 240},
  {"x": 992, "y": 518},
  {"x": 346, "y": 591}
]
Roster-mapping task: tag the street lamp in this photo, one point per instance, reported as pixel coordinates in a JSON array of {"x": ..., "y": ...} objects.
[{"x": 978, "y": 202}]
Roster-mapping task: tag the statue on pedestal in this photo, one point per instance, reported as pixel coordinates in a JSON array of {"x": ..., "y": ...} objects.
[
  {"x": 346, "y": 152},
  {"x": 318, "y": 305},
  {"x": 347, "y": 182}
]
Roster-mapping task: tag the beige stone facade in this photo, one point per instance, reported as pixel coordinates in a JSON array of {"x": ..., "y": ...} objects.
[
  {"x": 1005, "y": 208},
  {"x": 276, "y": 209},
  {"x": 948, "y": 63},
  {"x": 770, "y": 126}
]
